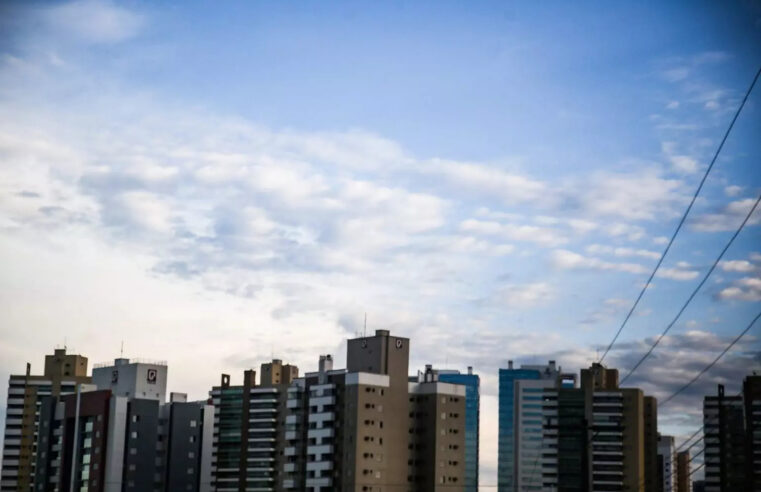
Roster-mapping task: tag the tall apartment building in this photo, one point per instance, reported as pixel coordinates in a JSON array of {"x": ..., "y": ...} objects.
[
  {"x": 437, "y": 451},
  {"x": 724, "y": 438},
  {"x": 752, "y": 401},
  {"x": 88, "y": 438},
  {"x": 249, "y": 428},
  {"x": 368, "y": 428},
  {"x": 522, "y": 432},
  {"x": 683, "y": 472},
  {"x": 62, "y": 373},
  {"x": 666, "y": 464},
  {"x": 651, "y": 443},
  {"x": 120, "y": 435},
  {"x": 472, "y": 385},
  {"x": 618, "y": 420},
  {"x": 732, "y": 435}
]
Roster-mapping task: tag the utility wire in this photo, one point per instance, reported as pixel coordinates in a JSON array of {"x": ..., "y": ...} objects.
[
  {"x": 694, "y": 292},
  {"x": 684, "y": 217},
  {"x": 709, "y": 366}
]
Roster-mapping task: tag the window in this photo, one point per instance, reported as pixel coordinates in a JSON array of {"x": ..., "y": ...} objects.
[{"x": 193, "y": 423}]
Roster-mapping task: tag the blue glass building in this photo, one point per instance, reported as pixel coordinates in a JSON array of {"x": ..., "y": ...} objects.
[
  {"x": 472, "y": 413},
  {"x": 506, "y": 446}
]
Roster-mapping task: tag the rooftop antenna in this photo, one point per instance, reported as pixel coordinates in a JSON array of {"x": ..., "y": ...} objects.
[
  {"x": 64, "y": 344},
  {"x": 365, "y": 331},
  {"x": 121, "y": 350}
]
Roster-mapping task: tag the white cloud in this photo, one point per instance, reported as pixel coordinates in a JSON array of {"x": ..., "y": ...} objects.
[
  {"x": 644, "y": 195},
  {"x": 676, "y": 273},
  {"x": 94, "y": 21},
  {"x": 679, "y": 162},
  {"x": 672, "y": 105},
  {"x": 508, "y": 187},
  {"x": 568, "y": 260},
  {"x": 743, "y": 266},
  {"x": 733, "y": 190},
  {"x": 147, "y": 210},
  {"x": 596, "y": 249},
  {"x": 728, "y": 218},
  {"x": 745, "y": 289},
  {"x": 524, "y": 295},
  {"x": 514, "y": 232},
  {"x": 629, "y": 231}
]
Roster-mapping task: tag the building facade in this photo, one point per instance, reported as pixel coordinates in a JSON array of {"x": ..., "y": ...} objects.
[
  {"x": 732, "y": 435},
  {"x": 249, "y": 429},
  {"x": 683, "y": 482},
  {"x": 522, "y": 428},
  {"x": 62, "y": 373},
  {"x": 472, "y": 384},
  {"x": 369, "y": 428},
  {"x": 666, "y": 464},
  {"x": 86, "y": 437},
  {"x": 617, "y": 431}
]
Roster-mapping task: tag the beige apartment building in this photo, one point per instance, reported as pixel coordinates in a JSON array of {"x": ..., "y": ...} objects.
[
  {"x": 621, "y": 431},
  {"x": 368, "y": 428}
]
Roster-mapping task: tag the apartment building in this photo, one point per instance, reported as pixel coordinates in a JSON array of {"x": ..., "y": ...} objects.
[
  {"x": 368, "y": 428},
  {"x": 121, "y": 435},
  {"x": 683, "y": 482},
  {"x": 666, "y": 464},
  {"x": 618, "y": 420},
  {"x": 752, "y": 402},
  {"x": 438, "y": 413},
  {"x": 61, "y": 375},
  {"x": 732, "y": 435},
  {"x": 472, "y": 383},
  {"x": 249, "y": 424},
  {"x": 86, "y": 437},
  {"x": 651, "y": 443},
  {"x": 526, "y": 394}
]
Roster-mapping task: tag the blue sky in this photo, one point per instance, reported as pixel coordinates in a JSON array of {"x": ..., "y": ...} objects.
[{"x": 493, "y": 180}]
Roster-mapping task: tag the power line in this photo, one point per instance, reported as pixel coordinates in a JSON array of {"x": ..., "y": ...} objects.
[
  {"x": 709, "y": 366},
  {"x": 684, "y": 217},
  {"x": 694, "y": 292}
]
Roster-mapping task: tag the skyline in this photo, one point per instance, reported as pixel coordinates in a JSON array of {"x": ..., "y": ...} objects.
[{"x": 494, "y": 183}]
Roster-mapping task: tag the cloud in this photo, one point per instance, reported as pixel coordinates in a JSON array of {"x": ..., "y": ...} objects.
[
  {"x": 679, "y": 162},
  {"x": 508, "y": 187},
  {"x": 568, "y": 260},
  {"x": 733, "y": 190},
  {"x": 524, "y": 295},
  {"x": 728, "y": 218},
  {"x": 596, "y": 249},
  {"x": 743, "y": 266},
  {"x": 641, "y": 196},
  {"x": 744, "y": 289},
  {"x": 94, "y": 21},
  {"x": 540, "y": 235}
]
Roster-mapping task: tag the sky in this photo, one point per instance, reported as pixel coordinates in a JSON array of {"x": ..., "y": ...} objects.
[{"x": 217, "y": 185}]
